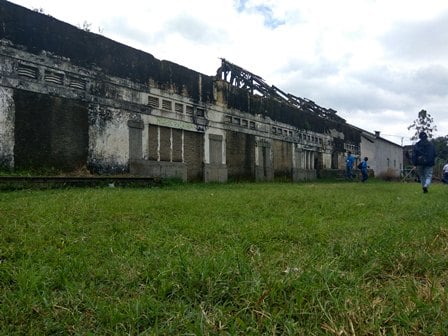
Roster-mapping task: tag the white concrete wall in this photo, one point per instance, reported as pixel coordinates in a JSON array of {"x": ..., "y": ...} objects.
[{"x": 384, "y": 156}]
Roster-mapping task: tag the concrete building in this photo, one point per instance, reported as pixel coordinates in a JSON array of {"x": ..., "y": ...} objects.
[
  {"x": 385, "y": 157},
  {"x": 72, "y": 99}
]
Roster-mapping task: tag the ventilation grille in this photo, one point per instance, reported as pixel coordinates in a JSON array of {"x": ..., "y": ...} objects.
[
  {"x": 53, "y": 77},
  {"x": 153, "y": 102},
  {"x": 77, "y": 83},
  {"x": 179, "y": 108},
  {"x": 27, "y": 71},
  {"x": 166, "y": 105}
]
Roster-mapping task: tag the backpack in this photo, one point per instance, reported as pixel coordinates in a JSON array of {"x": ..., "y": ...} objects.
[{"x": 359, "y": 166}]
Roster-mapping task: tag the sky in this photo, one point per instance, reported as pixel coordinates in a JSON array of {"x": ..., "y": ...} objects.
[{"x": 376, "y": 62}]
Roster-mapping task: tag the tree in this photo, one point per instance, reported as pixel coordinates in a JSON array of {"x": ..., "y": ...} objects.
[
  {"x": 441, "y": 144},
  {"x": 424, "y": 123}
]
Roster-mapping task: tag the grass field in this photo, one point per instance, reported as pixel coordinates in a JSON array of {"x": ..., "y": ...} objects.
[{"x": 232, "y": 259}]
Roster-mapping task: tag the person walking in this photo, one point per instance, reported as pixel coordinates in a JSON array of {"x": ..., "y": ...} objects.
[
  {"x": 423, "y": 158},
  {"x": 364, "y": 166},
  {"x": 349, "y": 166}
]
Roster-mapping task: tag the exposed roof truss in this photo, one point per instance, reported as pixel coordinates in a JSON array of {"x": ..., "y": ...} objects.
[{"x": 254, "y": 84}]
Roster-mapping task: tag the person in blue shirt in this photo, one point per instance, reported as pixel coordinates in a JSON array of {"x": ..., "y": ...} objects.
[
  {"x": 423, "y": 158},
  {"x": 349, "y": 165},
  {"x": 364, "y": 167}
]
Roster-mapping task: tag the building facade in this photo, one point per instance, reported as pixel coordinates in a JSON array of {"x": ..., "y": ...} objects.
[
  {"x": 385, "y": 157},
  {"x": 71, "y": 99}
]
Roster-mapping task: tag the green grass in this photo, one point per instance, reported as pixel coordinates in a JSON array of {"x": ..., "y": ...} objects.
[{"x": 236, "y": 259}]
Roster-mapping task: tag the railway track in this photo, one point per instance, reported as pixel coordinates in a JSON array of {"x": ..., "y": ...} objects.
[{"x": 45, "y": 182}]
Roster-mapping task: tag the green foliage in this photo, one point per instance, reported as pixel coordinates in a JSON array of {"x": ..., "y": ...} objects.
[
  {"x": 441, "y": 145},
  {"x": 232, "y": 259},
  {"x": 423, "y": 123}
]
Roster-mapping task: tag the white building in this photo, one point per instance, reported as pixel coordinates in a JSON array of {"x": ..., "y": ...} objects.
[{"x": 385, "y": 157}]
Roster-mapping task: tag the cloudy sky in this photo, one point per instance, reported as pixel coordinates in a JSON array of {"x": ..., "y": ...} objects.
[{"x": 376, "y": 62}]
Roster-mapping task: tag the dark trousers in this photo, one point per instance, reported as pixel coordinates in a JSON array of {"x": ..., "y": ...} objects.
[{"x": 365, "y": 175}]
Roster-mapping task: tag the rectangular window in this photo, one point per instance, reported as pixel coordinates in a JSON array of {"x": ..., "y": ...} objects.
[
  {"x": 252, "y": 125},
  {"x": 228, "y": 119},
  {"x": 244, "y": 123},
  {"x": 153, "y": 102}
]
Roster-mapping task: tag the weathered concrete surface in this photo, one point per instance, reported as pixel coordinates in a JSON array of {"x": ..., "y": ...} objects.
[
  {"x": 70, "y": 98},
  {"x": 6, "y": 128},
  {"x": 108, "y": 140}
]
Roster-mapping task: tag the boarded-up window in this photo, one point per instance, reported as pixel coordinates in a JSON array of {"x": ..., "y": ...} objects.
[
  {"x": 165, "y": 144},
  {"x": 50, "y": 132},
  {"x": 215, "y": 148},
  {"x": 153, "y": 142},
  {"x": 177, "y": 145},
  {"x": 193, "y": 156},
  {"x": 135, "y": 139}
]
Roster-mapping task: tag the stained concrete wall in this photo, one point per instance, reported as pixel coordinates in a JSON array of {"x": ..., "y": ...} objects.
[
  {"x": 115, "y": 109},
  {"x": 108, "y": 140},
  {"x": 7, "y": 128}
]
